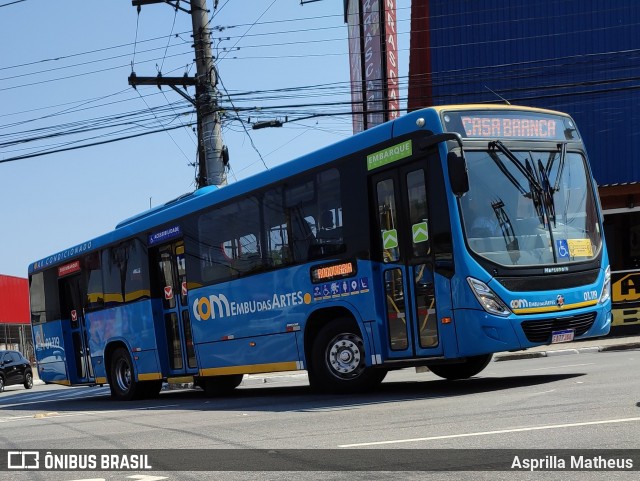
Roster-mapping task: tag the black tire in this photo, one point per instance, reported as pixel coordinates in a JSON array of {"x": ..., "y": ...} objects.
[
  {"x": 338, "y": 360},
  {"x": 28, "y": 380},
  {"x": 470, "y": 367},
  {"x": 220, "y": 385},
  {"x": 123, "y": 384},
  {"x": 1, "y": 383}
]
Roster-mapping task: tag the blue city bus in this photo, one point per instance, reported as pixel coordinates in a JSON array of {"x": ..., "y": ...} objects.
[{"x": 435, "y": 240}]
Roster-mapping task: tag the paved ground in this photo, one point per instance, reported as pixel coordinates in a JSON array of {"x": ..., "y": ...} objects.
[{"x": 568, "y": 348}]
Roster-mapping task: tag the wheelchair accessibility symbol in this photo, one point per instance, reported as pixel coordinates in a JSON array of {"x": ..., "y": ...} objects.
[{"x": 562, "y": 248}]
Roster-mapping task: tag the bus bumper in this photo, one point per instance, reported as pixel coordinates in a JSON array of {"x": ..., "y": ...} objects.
[{"x": 483, "y": 333}]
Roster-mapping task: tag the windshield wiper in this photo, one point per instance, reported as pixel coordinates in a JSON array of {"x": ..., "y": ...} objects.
[
  {"x": 507, "y": 174},
  {"x": 563, "y": 154},
  {"x": 536, "y": 192},
  {"x": 547, "y": 193},
  {"x": 546, "y": 185},
  {"x": 496, "y": 144}
]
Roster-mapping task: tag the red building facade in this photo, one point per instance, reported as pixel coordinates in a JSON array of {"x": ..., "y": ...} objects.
[{"x": 15, "y": 329}]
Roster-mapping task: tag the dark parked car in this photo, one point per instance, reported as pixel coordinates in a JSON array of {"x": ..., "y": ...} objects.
[{"x": 14, "y": 369}]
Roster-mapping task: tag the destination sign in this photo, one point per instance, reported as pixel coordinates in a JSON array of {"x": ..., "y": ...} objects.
[
  {"x": 510, "y": 125},
  {"x": 333, "y": 271},
  {"x": 70, "y": 268}
]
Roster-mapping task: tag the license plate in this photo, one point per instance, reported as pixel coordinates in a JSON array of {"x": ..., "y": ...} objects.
[{"x": 562, "y": 336}]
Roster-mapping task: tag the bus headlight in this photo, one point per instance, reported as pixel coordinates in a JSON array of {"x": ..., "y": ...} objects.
[
  {"x": 606, "y": 289},
  {"x": 488, "y": 299}
]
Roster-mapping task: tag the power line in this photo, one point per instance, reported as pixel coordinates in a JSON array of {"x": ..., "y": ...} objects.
[
  {"x": 11, "y": 3},
  {"x": 39, "y": 154}
]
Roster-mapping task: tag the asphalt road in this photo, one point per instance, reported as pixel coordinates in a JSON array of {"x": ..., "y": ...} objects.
[{"x": 579, "y": 402}]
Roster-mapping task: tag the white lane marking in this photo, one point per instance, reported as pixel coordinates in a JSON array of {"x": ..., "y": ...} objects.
[
  {"x": 487, "y": 433},
  {"x": 53, "y": 398},
  {"x": 81, "y": 413},
  {"x": 559, "y": 367}
]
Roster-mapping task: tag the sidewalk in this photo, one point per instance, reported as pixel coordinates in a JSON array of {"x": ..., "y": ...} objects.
[{"x": 601, "y": 344}]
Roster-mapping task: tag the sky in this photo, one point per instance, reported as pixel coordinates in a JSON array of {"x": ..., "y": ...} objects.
[{"x": 64, "y": 68}]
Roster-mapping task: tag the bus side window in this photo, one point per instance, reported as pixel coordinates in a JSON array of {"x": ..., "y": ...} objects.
[
  {"x": 276, "y": 228},
  {"x": 112, "y": 282},
  {"x": 95, "y": 292},
  {"x": 43, "y": 295},
  {"x": 137, "y": 284},
  {"x": 216, "y": 266},
  {"x": 301, "y": 234},
  {"x": 387, "y": 217}
]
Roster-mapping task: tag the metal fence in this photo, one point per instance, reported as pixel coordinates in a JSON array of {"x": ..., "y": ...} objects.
[{"x": 17, "y": 337}]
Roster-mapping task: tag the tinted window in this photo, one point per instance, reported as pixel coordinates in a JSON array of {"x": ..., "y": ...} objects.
[
  {"x": 93, "y": 272},
  {"x": 125, "y": 273},
  {"x": 225, "y": 242},
  {"x": 298, "y": 221},
  {"x": 43, "y": 293},
  {"x": 313, "y": 214}
]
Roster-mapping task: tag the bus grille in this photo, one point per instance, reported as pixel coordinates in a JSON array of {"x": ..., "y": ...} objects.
[
  {"x": 540, "y": 331},
  {"x": 549, "y": 282}
]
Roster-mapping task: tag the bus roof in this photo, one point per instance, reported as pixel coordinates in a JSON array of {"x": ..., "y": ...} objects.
[{"x": 210, "y": 195}]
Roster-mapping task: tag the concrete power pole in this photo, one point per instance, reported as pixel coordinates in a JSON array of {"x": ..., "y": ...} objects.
[{"x": 212, "y": 154}]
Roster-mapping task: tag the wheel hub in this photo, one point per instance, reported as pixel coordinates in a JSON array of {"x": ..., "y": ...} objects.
[{"x": 344, "y": 356}]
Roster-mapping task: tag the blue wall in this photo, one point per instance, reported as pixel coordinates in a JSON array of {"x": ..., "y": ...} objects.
[{"x": 577, "y": 56}]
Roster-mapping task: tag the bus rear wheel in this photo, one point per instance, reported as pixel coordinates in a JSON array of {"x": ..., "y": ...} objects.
[
  {"x": 220, "y": 385},
  {"x": 464, "y": 370},
  {"x": 122, "y": 383},
  {"x": 338, "y": 360}
]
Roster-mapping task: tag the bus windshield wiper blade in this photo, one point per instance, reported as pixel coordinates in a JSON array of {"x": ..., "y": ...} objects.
[
  {"x": 496, "y": 144},
  {"x": 536, "y": 193},
  {"x": 508, "y": 175},
  {"x": 563, "y": 154},
  {"x": 547, "y": 195}
]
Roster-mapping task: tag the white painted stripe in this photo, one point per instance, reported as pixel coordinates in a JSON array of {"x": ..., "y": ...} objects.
[
  {"x": 489, "y": 433},
  {"x": 51, "y": 397}
]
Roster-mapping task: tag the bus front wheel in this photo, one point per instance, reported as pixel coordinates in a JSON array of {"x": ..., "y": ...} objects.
[
  {"x": 338, "y": 360},
  {"x": 464, "y": 370}
]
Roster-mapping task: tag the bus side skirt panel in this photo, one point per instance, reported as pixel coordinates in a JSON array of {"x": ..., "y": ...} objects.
[{"x": 146, "y": 365}]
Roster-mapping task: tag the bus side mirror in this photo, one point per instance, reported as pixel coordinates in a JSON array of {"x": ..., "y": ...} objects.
[{"x": 458, "y": 173}]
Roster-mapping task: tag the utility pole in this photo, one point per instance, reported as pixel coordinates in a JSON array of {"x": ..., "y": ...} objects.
[{"x": 212, "y": 154}]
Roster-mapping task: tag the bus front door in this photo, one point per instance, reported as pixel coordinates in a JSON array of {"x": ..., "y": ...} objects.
[
  {"x": 171, "y": 285},
  {"x": 72, "y": 311},
  {"x": 400, "y": 199}
]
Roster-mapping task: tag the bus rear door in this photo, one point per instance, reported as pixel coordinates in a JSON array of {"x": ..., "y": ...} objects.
[
  {"x": 400, "y": 202},
  {"x": 72, "y": 311},
  {"x": 170, "y": 281}
]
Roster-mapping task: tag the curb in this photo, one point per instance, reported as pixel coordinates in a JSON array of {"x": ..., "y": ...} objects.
[
  {"x": 621, "y": 347},
  {"x": 564, "y": 352}
]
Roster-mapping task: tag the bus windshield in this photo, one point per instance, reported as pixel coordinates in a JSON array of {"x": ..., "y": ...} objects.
[{"x": 530, "y": 207}]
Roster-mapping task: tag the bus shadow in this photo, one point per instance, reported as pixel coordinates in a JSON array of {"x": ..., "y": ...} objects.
[{"x": 262, "y": 398}]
